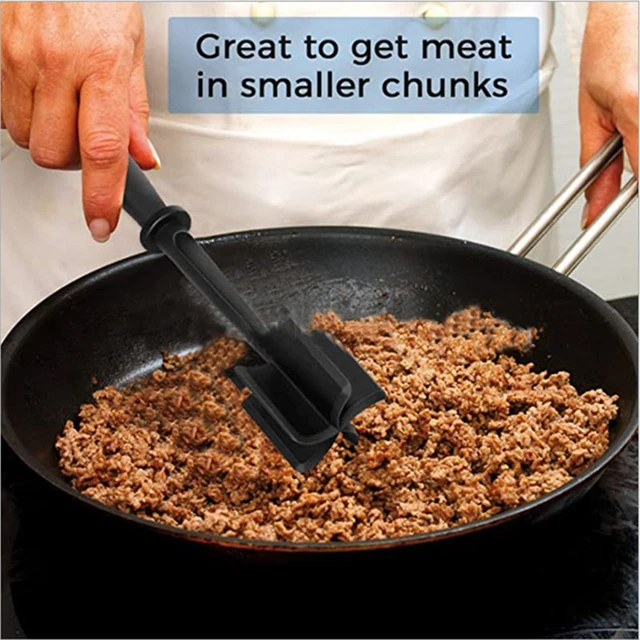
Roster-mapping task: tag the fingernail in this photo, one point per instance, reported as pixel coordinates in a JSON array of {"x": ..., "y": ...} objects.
[
  {"x": 100, "y": 229},
  {"x": 585, "y": 216},
  {"x": 155, "y": 155}
]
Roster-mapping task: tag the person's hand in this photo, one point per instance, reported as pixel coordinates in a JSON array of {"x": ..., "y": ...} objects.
[
  {"x": 74, "y": 94},
  {"x": 608, "y": 94}
]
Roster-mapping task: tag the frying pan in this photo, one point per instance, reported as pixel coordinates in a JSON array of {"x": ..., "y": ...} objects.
[{"x": 113, "y": 324}]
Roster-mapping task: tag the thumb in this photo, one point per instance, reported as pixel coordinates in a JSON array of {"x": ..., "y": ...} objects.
[
  {"x": 140, "y": 147},
  {"x": 595, "y": 129}
]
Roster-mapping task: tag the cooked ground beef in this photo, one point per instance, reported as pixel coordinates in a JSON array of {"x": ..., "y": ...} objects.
[{"x": 464, "y": 433}]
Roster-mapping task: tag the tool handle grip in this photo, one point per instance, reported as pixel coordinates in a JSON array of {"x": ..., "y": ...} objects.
[
  {"x": 141, "y": 200},
  {"x": 166, "y": 229},
  {"x": 199, "y": 268}
]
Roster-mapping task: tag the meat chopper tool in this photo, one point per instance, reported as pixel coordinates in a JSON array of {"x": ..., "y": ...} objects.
[{"x": 305, "y": 388}]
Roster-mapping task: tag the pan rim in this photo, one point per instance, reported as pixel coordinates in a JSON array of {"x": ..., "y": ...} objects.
[{"x": 22, "y": 328}]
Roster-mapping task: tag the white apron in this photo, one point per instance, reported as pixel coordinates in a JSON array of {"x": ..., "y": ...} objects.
[{"x": 478, "y": 177}]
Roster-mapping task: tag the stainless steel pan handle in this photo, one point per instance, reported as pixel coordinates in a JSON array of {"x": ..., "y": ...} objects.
[{"x": 588, "y": 239}]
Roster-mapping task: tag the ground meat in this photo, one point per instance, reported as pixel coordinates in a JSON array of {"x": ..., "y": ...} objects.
[{"x": 466, "y": 431}]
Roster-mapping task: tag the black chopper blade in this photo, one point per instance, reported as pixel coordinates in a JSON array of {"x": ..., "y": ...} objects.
[
  {"x": 364, "y": 389},
  {"x": 302, "y": 458},
  {"x": 296, "y": 419},
  {"x": 309, "y": 368}
]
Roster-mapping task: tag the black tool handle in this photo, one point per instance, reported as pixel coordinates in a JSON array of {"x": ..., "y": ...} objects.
[
  {"x": 141, "y": 200},
  {"x": 166, "y": 229}
]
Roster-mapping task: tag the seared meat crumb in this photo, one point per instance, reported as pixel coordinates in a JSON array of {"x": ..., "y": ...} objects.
[{"x": 464, "y": 433}]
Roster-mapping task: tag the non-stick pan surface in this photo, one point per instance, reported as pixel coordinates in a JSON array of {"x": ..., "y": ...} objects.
[{"x": 114, "y": 324}]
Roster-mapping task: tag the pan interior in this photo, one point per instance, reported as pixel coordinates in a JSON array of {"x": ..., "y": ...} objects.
[{"x": 115, "y": 324}]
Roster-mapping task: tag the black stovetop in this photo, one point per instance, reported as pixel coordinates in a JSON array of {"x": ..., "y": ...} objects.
[{"x": 575, "y": 575}]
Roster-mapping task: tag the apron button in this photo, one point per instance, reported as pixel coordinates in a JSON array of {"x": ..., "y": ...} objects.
[
  {"x": 263, "y": 12},
  {"x": 435, "y": 15}
]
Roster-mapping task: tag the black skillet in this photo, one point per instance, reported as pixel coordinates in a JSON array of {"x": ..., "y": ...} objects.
[{"x": 112, "y": 326}]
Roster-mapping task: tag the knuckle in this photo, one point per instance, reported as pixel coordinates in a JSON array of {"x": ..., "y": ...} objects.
[
  {"x": 104, "y": 148},
  {"x": 57, "y": 56},
  {"x": 143, "y": 109},
  {"x": 99, "y": 202},
  {"x": 19, "y": 130},
  {"x": 13, "y": 50},
  {"x": 20, "y": 138},
  {"x": 48, "y": 158},
  {"x": 109, "y": 54},
  {"x": 13, "y": 62},
  {"x": 104, "y": 55}
]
